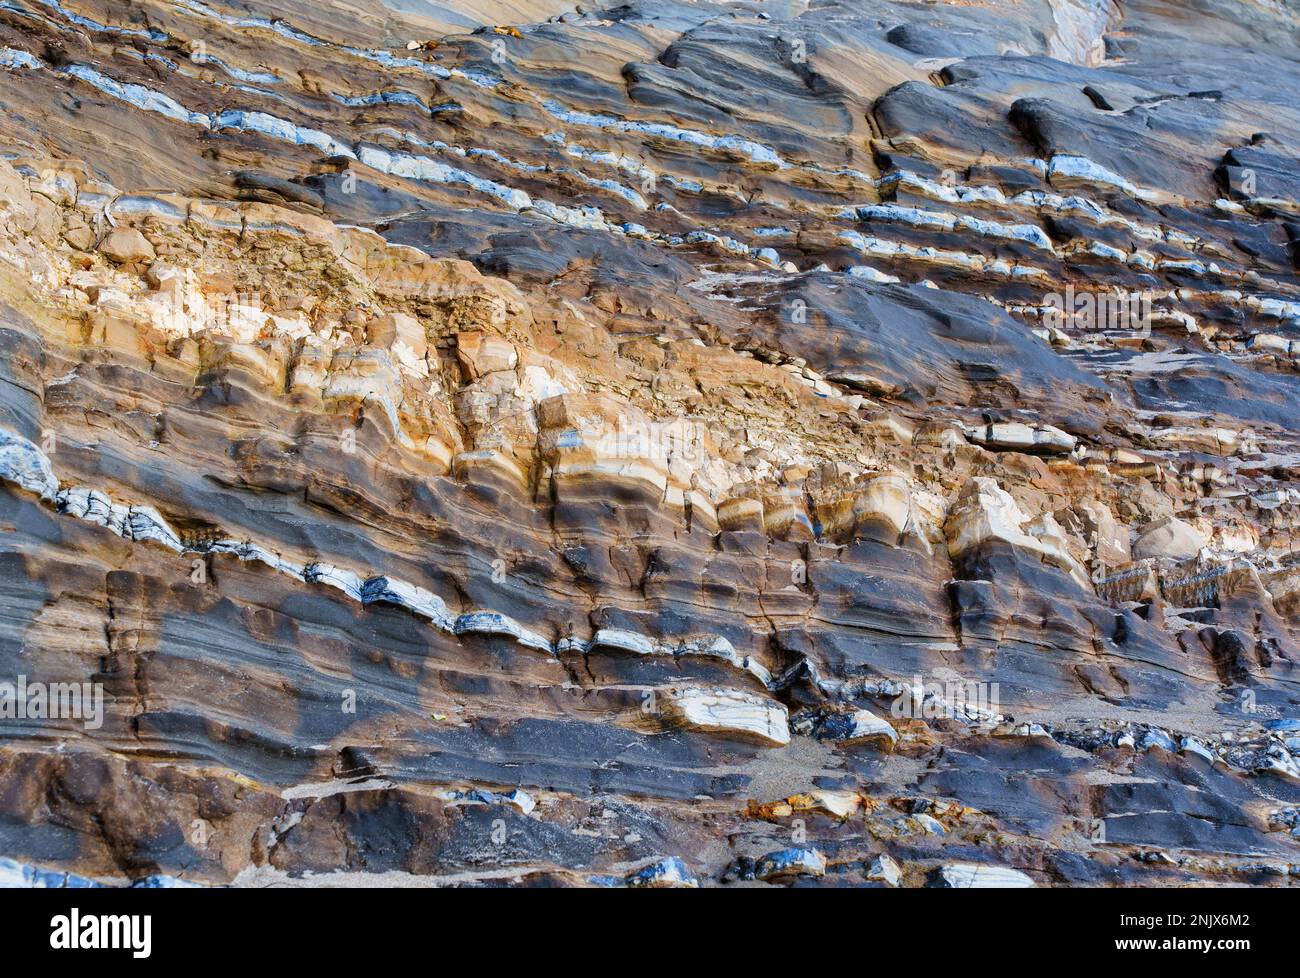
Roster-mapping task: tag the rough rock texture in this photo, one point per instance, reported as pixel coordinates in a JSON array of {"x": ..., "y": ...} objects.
[{"x": 481, "y": 444}]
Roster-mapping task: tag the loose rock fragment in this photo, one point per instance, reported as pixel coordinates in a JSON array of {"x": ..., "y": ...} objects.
[{"x": 787, "y": 863}]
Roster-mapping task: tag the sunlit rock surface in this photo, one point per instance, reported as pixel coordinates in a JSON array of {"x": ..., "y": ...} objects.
[{"x": 670, "y": 445}]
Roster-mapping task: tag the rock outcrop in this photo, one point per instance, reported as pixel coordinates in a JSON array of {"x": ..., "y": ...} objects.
[{"x": 845, "y": 444}]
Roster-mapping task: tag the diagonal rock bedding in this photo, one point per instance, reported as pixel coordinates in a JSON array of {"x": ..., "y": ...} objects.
[{"x": 666, "y": 445}]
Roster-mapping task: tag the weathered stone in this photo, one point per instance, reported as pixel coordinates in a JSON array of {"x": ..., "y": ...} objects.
[
  {"x": 1170, "y": 538},
  {"x": 729, "y": 712},
  {"x": 25, "y": 465},
  {"x": 127, "y": 245},
  {"x": 965, "y": 876},
  {"x": 884, "y": 868},
  {"x": 787, "y": 863},
  {"x": 985, "y": 512},
  {"x": 670, "y": 873}
]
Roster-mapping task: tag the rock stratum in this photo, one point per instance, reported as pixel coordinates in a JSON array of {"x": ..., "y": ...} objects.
[{"x": 673, "y": 444}]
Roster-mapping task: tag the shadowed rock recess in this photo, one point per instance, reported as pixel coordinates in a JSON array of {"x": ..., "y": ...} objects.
[{"x": 675, "y": 444}]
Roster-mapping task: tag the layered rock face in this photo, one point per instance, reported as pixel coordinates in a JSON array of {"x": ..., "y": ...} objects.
[{"x": 677, "y": 444}]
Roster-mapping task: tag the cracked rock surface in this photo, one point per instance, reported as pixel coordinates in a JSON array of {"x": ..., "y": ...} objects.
[{"x": 664, "y": 445}]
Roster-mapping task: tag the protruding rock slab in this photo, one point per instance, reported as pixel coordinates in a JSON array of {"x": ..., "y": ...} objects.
[
  {"x": 728, "y": 711},
  {"x": 977, "y": 876}
]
